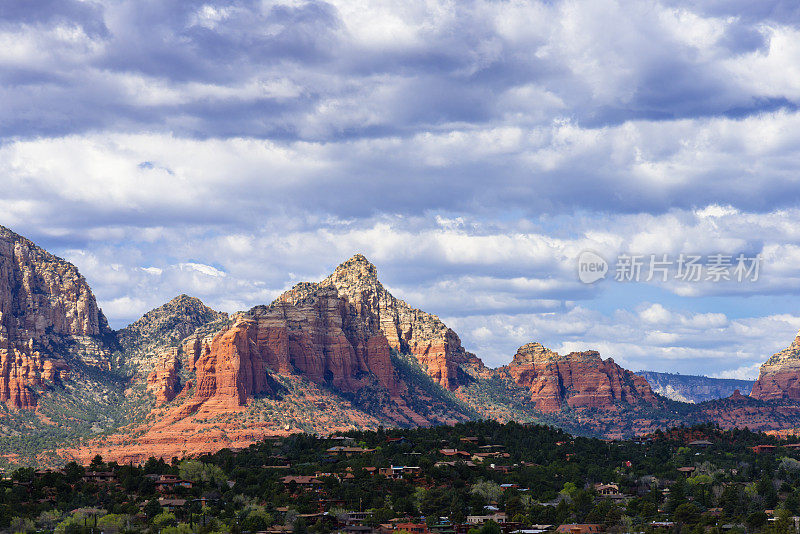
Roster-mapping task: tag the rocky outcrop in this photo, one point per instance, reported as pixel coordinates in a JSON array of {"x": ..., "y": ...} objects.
[
  {"x": 575, "y": 380},
  {"x": 163, "y": 380},
  {"x": 779, "y": 377},
  {"x": 166, "y": 326},
  {"x": 49, "y": 319},
  {"x": 408, "y": 330},
  {"x": 321, "y": 338}
]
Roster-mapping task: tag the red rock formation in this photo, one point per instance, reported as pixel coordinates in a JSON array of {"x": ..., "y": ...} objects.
[
  {"x": 48, "y": 315},
  {"x": 320, "y": 338},
  {"x": 408, "y": 330},
  {"x": 163, "y": 380},
  {"x": 779, "y": 377},
  {"x": 576, "y": 380}
]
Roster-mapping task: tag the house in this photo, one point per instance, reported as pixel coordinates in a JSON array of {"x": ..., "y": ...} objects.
[
  {"x": 413, "y": 528},
  {"x": 701, "y": 443},
  {"x": 470, "y": 439},
  {"x": 172, "y": 504},
  {"x": 607, "y": 489},
  {"x": 99, "y": 477},
  {"x": 300, "y": 480},
  {"x": 454, "y": 452},
  {"x": 500, "y": 468},
  {"x": 662, "y": 524},
  {"x": 347, "y": 451},
  {"x": 453, "y": 463},
  {"x": 168, "y": 483},
  {"x": 398, "y": 472},
  {"x": 764, "y": 448},
  {"x": 579, "y": 528},
  {"x": 686, "y": 470},
  {"x": 497, "y": 517},
  {"x": 355, "y": 518}
]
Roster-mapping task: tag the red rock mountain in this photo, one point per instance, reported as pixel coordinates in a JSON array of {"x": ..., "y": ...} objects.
[
  {"x": 779, "y": 377},
  {"x": 152, "y": 343},
  {"x": 329, "y": 338},
  {"x": 575, "y": 380},
  {"x": 324, "y": 357},
  {"x": 49, "y": 321},
  {"x": 332, "y": 333},
  {"x": 407, "y": 330}
]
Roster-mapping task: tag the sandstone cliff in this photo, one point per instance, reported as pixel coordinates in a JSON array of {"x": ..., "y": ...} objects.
[
  {"x": 779, "y": 377},
  {"x": 49, "y": 321},
  {"x": 320, "y": 337},
  {"x": 408, "y": 330},
  {"x": 575, "y": 380}
]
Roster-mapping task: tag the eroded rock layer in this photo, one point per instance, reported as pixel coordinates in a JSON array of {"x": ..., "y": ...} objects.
[
  {"x": 575, "y": 380},
  {"x": 48, "y": 319},
  {"x": 321, "y": 338},
  {"x": 779, "y": 377},
  {"x": 408, "y": 330}
]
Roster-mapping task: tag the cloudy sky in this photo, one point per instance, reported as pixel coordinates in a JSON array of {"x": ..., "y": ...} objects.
[{"x": 470, "y": 149}]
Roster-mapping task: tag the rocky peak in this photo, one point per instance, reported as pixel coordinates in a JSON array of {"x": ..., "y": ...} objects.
[
  {"x": 48, "y": 318},
  {"x": 779, "y": 377},
  {"x": 356, "y": 268},
  {"x": 788, "y": 356},
  {"x": 533, "y": 353},
  {"x": 357, "y": 280},
  {"x": 575, "y": 380},
  {"x": 529, "y": 353},
  {"x": 408, "y": 330},
  {"x": 166, "y": 326}
]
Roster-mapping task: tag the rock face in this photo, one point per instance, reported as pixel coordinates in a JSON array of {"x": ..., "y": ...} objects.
[
  {"x": 408, "y": 330},
  {"x": 163, "y": 381},
  {"x": 779, "y": 377},
  {"x": 576, "y": 380},
  {"x": 166, "y": 326},
  {"x": 49, "y": 320},
  {"x": 153, "y": 343},
  {"x": 321, "y": 337}
]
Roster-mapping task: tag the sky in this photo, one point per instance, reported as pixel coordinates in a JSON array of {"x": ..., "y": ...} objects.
[{"x": 472, "y": 150}]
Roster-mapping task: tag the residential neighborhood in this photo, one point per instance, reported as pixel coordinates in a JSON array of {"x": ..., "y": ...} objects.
[{"x": 472, "y": 478}]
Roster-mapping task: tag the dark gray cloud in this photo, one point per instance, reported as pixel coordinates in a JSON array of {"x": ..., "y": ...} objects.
[{"x": 209, "y": 70}]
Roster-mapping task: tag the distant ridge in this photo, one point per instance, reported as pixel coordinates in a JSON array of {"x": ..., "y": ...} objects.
[{"x": 694, "y": 388}]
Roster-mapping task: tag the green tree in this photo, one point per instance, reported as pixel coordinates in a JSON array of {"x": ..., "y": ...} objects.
[
  {"x": 687, "y": 514},
  {"x": 164, "y": 519},
  {"x": 756, "y": 520},
  {"x": 490, "y": 527},
  {"x": 152, "y": 508}
]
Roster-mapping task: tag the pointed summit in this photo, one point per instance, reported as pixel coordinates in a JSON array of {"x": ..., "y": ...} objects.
[
  {"x": 167, "y": 324},
  {"x": 356, "y": 271},
  {"x": 408, "y": 330},
  {"x": 357, "y": 261},
  {"x": 531, "y": 352}
]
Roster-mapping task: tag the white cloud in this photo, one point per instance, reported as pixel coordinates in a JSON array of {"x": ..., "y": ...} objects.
[{"x": 472, "y": 150}]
